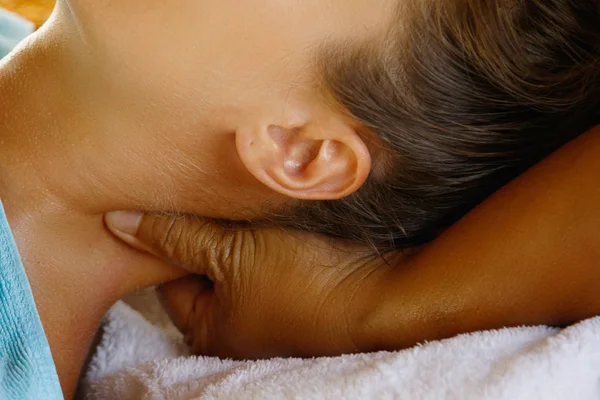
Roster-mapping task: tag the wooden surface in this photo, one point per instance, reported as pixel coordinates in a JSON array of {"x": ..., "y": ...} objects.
[{"x": 36, "y": 11}]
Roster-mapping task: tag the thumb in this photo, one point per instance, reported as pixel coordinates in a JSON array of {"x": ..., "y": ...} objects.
[
  {"x": 185, "y": 299},
  {"x": 192, "y": 243}
]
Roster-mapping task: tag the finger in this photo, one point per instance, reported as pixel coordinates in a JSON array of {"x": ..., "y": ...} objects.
[
  {"x": 141, "y": 270},
  {"x": 195, "y": 244},
  {"x": 126, "y": 271},
  {"x": 184, "y": 299}
]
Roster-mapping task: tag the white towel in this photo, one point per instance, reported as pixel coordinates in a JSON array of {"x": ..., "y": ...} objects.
[{"x": 141, "y": 360}]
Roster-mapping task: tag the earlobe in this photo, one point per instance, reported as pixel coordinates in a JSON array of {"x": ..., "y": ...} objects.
[{"x": 316, "y": 161}]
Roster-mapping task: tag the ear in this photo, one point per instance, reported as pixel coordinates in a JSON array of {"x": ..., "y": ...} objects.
[{"x": 314, "y": 160}]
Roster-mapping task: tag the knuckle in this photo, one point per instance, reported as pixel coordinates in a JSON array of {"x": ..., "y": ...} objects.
[
  {"x": 218, "y": 246},
  {"x": 238, "y": 252},
  {"x": 199, "y": 244},
  {"x": 173, "y": 239},
  {"x": 224, "y": 250},
  {"x": 167, "y": 237}
]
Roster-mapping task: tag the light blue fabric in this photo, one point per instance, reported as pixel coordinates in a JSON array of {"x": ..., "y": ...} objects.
[
  {"x": 13, "y": 29},
  {"x": 27, "y": 370}
]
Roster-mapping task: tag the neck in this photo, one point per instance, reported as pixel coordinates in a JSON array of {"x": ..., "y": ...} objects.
[
  {"x": 32, "y": 155},
  {"x": 50, "y": 137},
  {"x": 54, "y": 188}
]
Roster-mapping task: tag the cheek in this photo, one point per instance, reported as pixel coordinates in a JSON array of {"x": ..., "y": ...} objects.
[
  {"x": 203, "y": 175},
  {"x": 148, "y": 47},
  {"x": 191, "y": 54},
  {"x": 177, "y": 67}
]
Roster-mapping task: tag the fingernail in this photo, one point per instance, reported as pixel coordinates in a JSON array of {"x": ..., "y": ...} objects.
[{"x": 127, "y": 222}]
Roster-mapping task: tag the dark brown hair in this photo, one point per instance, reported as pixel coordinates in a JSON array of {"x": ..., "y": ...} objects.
[{"x": 462, "y": 96}]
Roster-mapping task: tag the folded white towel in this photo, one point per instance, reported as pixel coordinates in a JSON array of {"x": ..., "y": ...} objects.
[{"x": 139, "y": 360}]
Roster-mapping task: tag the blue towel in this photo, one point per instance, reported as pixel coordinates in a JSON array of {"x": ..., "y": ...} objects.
[
  {"x": 13, "y": 29},
  {"x": 27, "y": 370}
]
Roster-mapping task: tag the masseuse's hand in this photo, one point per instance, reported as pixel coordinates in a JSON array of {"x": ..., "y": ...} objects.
[
  {"x": 526, "y": 256},
  {"x": 273, "y": 293}
]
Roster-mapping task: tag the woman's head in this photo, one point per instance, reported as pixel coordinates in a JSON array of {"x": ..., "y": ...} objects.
[
  {"x": 377, "y": 121},
  {"x": 224, "y": 96}
]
